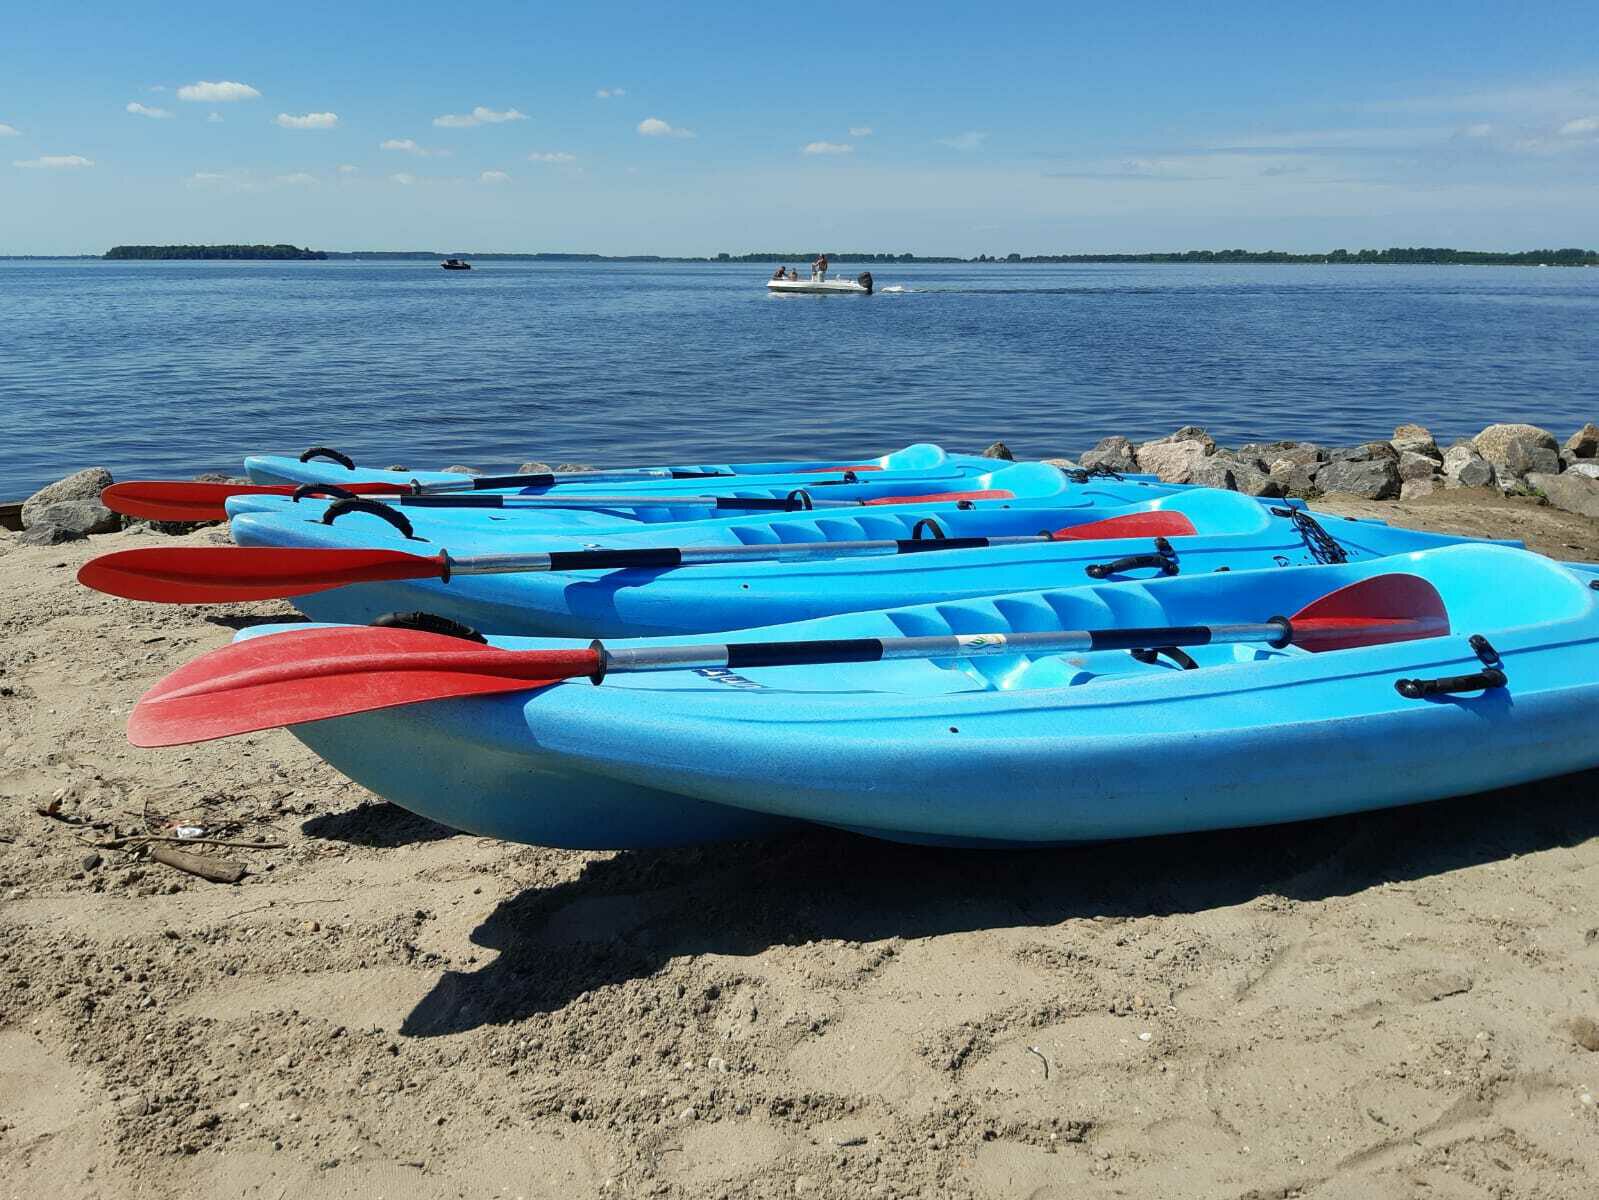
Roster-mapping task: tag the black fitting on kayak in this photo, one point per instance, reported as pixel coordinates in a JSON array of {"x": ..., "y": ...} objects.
[
  {"x": 375, "y": 508},
  {"x": 1095, "y": 471},
  {"x": 428, "y": 622},
  {"x": 1491, "y": 676},
  {"x": 604, "y": 658},
  {"x": 1323, "y": 548},
  {"x": 1175, "y": 653},
  {"x": 1285, "y": 635},
  {"x": 1164, "y": 559},
  {"x": 332, "y": 491},
  {"x": 800, "y": 499},
  {"x": 935, "y": 531},
  {"x": 1594, "y": 584},
  {"x": 332, "y": 455}
]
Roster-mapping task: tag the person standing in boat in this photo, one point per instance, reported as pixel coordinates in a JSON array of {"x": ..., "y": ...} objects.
[{"x": 819, "y": 267}]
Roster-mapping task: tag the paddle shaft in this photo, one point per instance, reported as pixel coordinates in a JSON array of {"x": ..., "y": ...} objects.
[{"x": 799, "y": 503}]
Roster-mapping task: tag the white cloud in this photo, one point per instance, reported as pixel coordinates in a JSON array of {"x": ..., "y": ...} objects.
[
  {"x": 8, "y": 130},
  {"x": 828, "y": 148},
  {"x": 860, "y": 131},
  {"x": 1581, "y": 126},
  {"x": 1481, "y": 129},
  {"x": 217, "y": 93},
  {"x": 214, "y": 119},
  {"x": 322, "y": 120},
  {"x": 494, "y": 177},
  {"x": 404, "y": 177},
  {"x": 478, "y": 116},
  {"x": 298, "y": 177},
  {"x": 223, "y": 181},
  {"x": 610, "y": 93},
  {"x": 144, "y": 110},
  {"x": 347, "y": 169},
  {"x": 971, "y": 140},
  {"x": 655, "y": 127},
  {"x": 55, "y": 161},
  {"x": 410, "y": 146},
  {"x": 551, "y": 156}
]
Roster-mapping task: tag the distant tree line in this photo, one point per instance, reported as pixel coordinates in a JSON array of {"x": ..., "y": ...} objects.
[
  {"x": 1423, "y": 255},
  {"x": 276, "y": 253}
]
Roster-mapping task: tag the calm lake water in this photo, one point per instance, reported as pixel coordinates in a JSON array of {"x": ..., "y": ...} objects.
[{"x": 167, "y": 369}]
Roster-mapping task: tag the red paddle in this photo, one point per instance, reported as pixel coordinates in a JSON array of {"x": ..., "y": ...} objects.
[{"x": 312, "y": 675}]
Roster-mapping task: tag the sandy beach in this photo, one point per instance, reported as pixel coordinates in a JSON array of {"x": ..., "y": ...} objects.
[{"x": 1391, "y": 1005}]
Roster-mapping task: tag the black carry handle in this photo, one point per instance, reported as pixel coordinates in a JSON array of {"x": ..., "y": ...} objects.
[
  {"x": 327, "y": 452},
  {"x": 430, "y": 623},
  {"x": 376, "y": 508},
  {"x": 1491, "y": 676},
  {"x": 1164, "y": 558},
  {"x": 331, "y": 490}
]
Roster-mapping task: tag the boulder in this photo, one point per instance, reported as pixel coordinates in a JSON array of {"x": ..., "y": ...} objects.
[
  {"x": 1415, "y": 489},
  {"x": 46, "y": 533},
  {"x": 1252, "y": 481},
  {"x": 1524, "y": 456},
  {"x": 1216, "y": 472},
  {"x": 1589, "y": 470},
  {"x": 460, "y": 470},
  {"x": 1464, "y": 467},
  {"x": 1298, "y": 453},
  {"x": 79, "y": 517},
  {"x": 1175, "y": 457},
  {"x": 999, "y": 450},
  {"x": 1417, "y": 439},
  {"x": 1295, "y": 479},
  {"x": 574, "y": 468},
  {"x": 1115, "y": 452},
  {"x": 1584, "y": 443},
  {"x": 1366, "y": 452},
  {"x": 396, "y": 467},
  {"x": 1371, "y": 479},
  {"x": 534, "y": 468},
  {"x": 1239, "y": 474},
  {"x": 1494, "y": 442},
  {"x": 84, "y": 486},
  {"x": 1573, "y": 493},
  {"x": 1413, "y": 465}
]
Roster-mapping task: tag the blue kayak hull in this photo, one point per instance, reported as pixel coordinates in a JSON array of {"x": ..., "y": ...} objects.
[{"x": 1017, "y": 749}]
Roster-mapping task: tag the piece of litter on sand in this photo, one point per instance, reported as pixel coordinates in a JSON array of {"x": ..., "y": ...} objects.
[{"x": 189, "y": 831}]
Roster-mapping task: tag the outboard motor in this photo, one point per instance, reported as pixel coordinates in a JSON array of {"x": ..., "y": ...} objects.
[{"x": 865, "y": 280}]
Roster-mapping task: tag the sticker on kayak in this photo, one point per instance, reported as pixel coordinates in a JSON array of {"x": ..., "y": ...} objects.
[
  {"x": 731, "y": 678},
  {"x": 980, "y": 641}
]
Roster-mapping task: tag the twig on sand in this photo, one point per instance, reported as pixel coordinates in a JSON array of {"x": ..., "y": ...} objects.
[
  {"x": 1041, "y": 1058},
  {"x": 124, "y": 843},
  {"x": 217, "y": 870}
]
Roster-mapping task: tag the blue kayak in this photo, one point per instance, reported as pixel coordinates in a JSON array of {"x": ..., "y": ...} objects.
[
  {"x": 328, "y": 466},
  {"x": 1207, "y": 530},
  {"x": 1025, "y": 749}
]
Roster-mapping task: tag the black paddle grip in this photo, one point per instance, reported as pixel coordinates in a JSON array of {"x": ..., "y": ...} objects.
[
  {"x": 604, "y": 560},
  {"x": 788, "y": 654},
  {"x": 375, "y": 508},
  {"x": 918, "y": 545},
  {"x": 511, "y": 481},
  {"x": 453, "y": 500},
  {"x": 332, "y": 455}
]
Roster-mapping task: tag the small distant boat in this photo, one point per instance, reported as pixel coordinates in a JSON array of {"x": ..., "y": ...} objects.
[
  {"x": 455, "y": 264},
  {"x": 861, "y": 285}
]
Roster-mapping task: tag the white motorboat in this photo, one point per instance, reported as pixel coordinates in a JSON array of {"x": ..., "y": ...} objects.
[{"x": 861, "y": 285}]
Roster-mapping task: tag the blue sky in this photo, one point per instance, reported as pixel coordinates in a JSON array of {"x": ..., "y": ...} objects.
[{"x": 935, "y": 128}]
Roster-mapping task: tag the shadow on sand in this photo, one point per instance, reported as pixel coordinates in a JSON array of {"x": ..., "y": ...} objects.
[
  {"x": 625, "y": 916},
  {"x": 382, "y": 825}
]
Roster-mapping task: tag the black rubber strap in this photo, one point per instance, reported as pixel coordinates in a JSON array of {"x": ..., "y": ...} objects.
[
  {"x": 1445, "y": 685},
  {"x": 702, "y": 474},
  {"x": 330, "y": 490},
  {"x": 430, "y": 623},
  {"x": 375, "y": 507},
  {"x": 933, "y": 528},
  {"x": 332, "y": 455},
  {"x": 604, "y": 560}
]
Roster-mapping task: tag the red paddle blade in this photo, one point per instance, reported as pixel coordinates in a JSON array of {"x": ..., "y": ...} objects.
[
  {"x": 175, "y": 500},
  {"x": 1156, "y": 523},
  {"x": 1372, "y": 612},
  {"x": 311, "y": 675},
  {"x": 217, "y": 574},
  {"x": 945, "y": 497}
]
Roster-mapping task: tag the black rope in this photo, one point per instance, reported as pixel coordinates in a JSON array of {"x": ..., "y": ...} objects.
[
  {"x": 1321, "y": 544},
  {"x": 1095, "y": 471}
]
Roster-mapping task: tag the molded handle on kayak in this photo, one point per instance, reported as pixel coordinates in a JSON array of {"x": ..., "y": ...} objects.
[
  {"x": 1164, "y": 558},
  {"x": 1444, "y": 685},
  {"x": 331, "y": 490},
  {"x": 327, "y": 452},
  {"x": 375, "y": 507},
  {"x": 430, "y": 623}
]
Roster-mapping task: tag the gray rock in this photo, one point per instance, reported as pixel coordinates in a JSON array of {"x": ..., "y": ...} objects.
[
  {"x": 1243, "y": 474},
  {"x": 1589, "y": 470},
  {"x": 1508, "y": 481},
  {"x": 396, "y": 467},
  {"x": 1415, "y": 489},
  {"x": 999, "y": 450},
  {"x": 1584, "y": 443},
  {"x": 460, "y": 470},
  {"x": 1295, "y": 479},
  {"x": 81, "y": 485},
  {"x": 1366, "y": 452},
  {"x": 1116, "y": 452},
  {"x": 1524, "y": 456},
  {"x": 1464, "y": 467},
  {"x": 46, "y": 534},
  {"x": 1572, "y": 493},
  {"x": 82, "y": 517},
  {"x": 575, "y": 468},
  {"x": 1216, "y": 472},
  {"x": 1417, "y": 439},
  {"x": 1174, "y": 458},
  {"x": 1494, "y": 442},
  {"x": 1413, "y": 465},
  {"x": 1299, "y": 453},
  {"x": 1254, "y": 482},
  {"x": 534, "y": 468},
  {"x": 1371, "y": 479}
]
